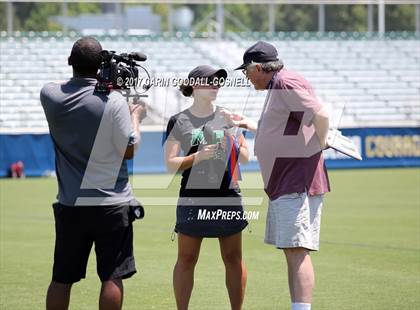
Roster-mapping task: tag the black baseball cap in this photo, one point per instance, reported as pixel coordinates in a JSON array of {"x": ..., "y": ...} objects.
[
  {"x": 259, "y": 52},
  {"x": 206, "y": 71},
  {"x": 198, "y": 73}
]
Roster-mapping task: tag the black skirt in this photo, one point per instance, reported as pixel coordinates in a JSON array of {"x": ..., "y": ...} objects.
[{"x": 197, "y": 218}]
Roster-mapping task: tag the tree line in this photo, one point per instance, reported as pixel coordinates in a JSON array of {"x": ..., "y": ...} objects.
[{"x": 35, "y": 16}]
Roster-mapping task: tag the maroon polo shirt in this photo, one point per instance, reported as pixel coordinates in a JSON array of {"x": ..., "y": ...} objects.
[{"x": 286, "y": 145}]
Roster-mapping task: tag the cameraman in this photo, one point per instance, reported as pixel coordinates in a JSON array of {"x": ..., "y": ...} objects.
[{"x": 93, "y": 135}]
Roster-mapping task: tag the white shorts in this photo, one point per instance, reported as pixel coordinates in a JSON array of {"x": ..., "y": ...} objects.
[{"x": 294, "y": 221}]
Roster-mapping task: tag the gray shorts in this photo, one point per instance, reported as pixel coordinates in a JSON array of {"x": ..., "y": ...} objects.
[{"x": 294, "y": 221}]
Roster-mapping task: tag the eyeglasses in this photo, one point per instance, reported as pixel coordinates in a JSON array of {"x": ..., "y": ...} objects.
[{"x": 245, "y": 71}]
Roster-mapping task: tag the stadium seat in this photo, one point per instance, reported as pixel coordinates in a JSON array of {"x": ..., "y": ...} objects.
[{"x": 377, "y": 80}]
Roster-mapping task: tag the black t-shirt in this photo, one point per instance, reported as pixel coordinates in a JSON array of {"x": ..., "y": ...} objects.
[{"x": 209, "y": 178}]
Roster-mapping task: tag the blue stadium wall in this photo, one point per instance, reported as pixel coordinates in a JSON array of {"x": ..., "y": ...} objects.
[{"x": 380, "y": 147}]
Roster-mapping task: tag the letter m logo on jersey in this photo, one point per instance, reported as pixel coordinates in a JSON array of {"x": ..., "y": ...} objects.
[{"x": 197, "y": 137}]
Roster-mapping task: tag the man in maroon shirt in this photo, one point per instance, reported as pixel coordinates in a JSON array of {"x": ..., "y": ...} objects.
[{"x": 289, "y": 139}]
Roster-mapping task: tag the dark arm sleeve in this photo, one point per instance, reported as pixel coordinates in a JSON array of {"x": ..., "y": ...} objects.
[{"x": 172, "y": 130}]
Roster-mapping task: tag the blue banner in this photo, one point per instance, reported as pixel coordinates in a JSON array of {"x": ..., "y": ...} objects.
[
  {"x": 380, "y": 147},
  {"x": 34, "y": 150}
]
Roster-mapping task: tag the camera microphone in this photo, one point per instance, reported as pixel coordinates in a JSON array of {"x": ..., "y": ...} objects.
[{"x": 138, "y": 56}]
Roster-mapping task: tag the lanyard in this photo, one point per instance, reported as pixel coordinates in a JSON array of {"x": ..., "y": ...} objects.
[{"x": 267, "y": 99}]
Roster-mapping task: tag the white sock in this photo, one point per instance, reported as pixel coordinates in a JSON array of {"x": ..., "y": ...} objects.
[{"x": 300, "y": 306}]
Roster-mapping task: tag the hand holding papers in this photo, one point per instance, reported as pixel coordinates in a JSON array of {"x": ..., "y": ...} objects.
[{"x": 342, "y": 144}]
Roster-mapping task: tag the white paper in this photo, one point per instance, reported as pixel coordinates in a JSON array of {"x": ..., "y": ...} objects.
[{"x": 342, "y": 144}]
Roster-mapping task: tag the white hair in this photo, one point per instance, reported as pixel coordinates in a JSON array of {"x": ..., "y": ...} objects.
[{"x": 270, "y": 66}]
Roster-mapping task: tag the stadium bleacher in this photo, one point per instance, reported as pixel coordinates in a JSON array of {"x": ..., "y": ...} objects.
[{"x": 376, "y": 79}]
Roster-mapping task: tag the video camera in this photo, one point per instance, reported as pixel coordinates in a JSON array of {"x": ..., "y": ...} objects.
[{"x": 120, "y": 72}]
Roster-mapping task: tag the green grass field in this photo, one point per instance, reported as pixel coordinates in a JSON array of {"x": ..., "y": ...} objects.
[{"x": 369, "y": 258}]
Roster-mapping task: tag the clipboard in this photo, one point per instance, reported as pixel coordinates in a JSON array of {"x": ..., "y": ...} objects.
[{"x": 342, "y": 144}]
